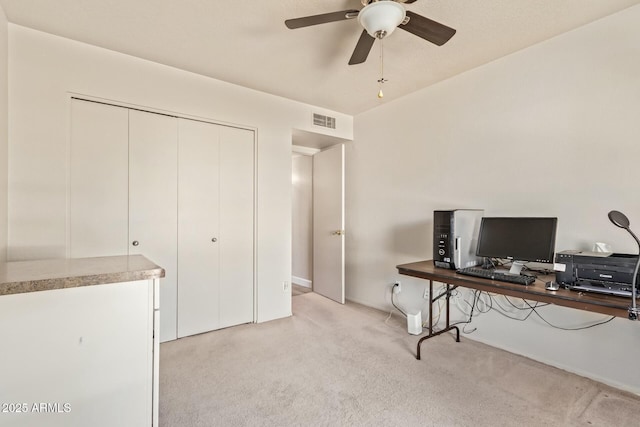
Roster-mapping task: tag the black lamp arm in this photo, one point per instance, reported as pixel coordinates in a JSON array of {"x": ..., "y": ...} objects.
[{"x": 633, "y": 310}]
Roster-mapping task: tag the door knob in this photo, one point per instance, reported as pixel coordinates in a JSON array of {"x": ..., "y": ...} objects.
[
  {"x": 338, "y": 233},
  {"x": 135, "y": 243},
  {"x": 215, "y": 239}
]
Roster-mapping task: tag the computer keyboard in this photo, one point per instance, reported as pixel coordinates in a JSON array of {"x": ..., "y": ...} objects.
[{"x": 494, "y": 275}]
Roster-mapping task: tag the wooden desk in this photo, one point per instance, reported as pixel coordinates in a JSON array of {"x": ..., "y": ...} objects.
[{"x": 605, "y": 304}]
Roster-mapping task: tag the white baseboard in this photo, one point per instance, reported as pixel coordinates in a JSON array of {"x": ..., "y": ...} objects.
[{"x": 301, "y": 282}]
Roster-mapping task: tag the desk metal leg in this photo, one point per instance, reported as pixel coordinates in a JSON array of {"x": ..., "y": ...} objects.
[{"x": 448, "y": 327}]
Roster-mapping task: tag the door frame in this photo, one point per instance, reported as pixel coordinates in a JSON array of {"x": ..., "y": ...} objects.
[{"x": 310, "y": 143}]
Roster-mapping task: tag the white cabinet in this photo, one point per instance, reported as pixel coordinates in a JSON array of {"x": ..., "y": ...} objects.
[
  {"x": 79, "y": 352},
  {"x": 86, "y": 351},
  {"x": 180, "y": 192}
]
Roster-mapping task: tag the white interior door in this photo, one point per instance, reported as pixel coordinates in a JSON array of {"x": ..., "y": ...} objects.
[
  {"x": 198, "y": 228},
  {"x": 328, "y": 223},
  {"x": 236, "y": 226},
  {"x": 215, "y": 227},
  {"x": 153, "y": 187},
  {"x": 98, "y": 180}
]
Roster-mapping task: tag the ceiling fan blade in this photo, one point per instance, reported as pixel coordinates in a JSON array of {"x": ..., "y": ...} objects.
[
  {"x": 363, "y": 47},
  {"x": 427, "y": 29},
  {"x": 308, "y": 21}
]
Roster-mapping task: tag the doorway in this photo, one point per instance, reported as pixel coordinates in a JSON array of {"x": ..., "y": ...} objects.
[
  {"x": 302, "y": 221},
  {"x": 317, "y": 215}
]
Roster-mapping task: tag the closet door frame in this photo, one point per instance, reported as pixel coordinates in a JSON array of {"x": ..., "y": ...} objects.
[{"x": 147, "y": 109}]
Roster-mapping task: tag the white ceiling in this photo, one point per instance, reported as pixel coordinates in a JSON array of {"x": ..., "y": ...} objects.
[{"x": 246, "y": 42}]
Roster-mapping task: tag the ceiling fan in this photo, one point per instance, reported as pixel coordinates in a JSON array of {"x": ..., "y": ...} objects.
[{"x": 380, "y": 18}]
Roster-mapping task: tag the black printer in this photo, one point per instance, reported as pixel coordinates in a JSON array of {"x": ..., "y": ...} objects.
[{"x": 605, "y": 273}]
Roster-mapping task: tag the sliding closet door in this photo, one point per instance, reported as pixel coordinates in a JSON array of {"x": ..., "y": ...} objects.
[
  {"x": 153, "y": 203},
  {"x": 178, "y": 191},
  {"x": 236, "y": 226},
  {"x": 98, "y": 179},
  {"x": 198, "y": 229},
  {"x": 215, "y": 227}
]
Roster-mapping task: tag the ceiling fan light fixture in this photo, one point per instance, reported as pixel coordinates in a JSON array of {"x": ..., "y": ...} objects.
[{"x": 381, "y": 18}]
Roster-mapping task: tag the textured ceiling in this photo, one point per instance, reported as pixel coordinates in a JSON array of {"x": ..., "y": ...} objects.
[{"x": 246, "y": 42}]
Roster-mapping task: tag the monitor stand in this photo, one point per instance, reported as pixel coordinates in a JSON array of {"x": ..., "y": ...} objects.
[{"x": 516, "y": 267}]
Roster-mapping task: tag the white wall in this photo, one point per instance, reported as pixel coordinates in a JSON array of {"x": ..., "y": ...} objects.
[
  {"x": 45, "y": 69},
  {"x": 302, "y": 220},
  {"x": 552, "y": 130},
  {"x": 3, "y": 132}
]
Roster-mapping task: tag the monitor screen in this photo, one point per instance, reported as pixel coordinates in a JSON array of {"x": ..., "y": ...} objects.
[{"x": 518, "y": 238}]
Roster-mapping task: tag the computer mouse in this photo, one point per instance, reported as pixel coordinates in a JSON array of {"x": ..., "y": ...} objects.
[{"x": 552, "y": 286}]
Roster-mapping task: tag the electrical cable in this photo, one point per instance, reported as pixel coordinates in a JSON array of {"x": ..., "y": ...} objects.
[
  {"x": 503, "y": 312},
  {"x": 497, "y": 261},
  {"x": 394, "y": 304},
  {"x": 487, "y": 303},
  {"x": 533, "y": 309},
  {"x": 389, "y": 316},
  {"x": 459, "y": 302},
  {"x": 437, "y": 319},
  {"x": 513, "y": 306},
  {"x": 473, "y": 305},
  {"x": 391, "y": 325},
  {"x": 568, "y": 329},
  {"x": 439, "y": 305},
  {"x": 443, "y": 292},
  {"x": 483, "y": 302},
  {"x": 538, "y": 304}
]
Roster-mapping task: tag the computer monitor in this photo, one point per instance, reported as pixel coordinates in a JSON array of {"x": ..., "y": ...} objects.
[{"x": 519, "y": 239}]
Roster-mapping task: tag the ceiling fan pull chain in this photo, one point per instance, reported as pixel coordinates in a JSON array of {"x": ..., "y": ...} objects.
[{"x": 382, "y": 80}]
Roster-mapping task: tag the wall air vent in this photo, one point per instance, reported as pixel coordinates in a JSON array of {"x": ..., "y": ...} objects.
[{"x": 324, "y": 121}]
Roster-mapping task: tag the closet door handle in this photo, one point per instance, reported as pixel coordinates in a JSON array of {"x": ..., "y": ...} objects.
[
  {"x": 135, "y": 243},
  {"x": 214, "y": 239}
]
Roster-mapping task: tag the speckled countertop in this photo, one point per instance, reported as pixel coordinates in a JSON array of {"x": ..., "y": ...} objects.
[{"x": 32, "y": 276}]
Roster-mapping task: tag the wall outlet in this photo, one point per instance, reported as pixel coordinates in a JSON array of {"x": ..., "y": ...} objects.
[
  {"x": 425, "y": 295},
  {"x": 285, "y": 286},
  {"x": 396, "y": 287}
]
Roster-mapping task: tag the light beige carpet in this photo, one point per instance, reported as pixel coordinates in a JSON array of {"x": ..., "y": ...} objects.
[{"x": 334, "y": 365}]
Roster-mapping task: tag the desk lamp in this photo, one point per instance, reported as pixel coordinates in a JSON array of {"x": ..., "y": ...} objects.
[{"x": 619, "y": 219}]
